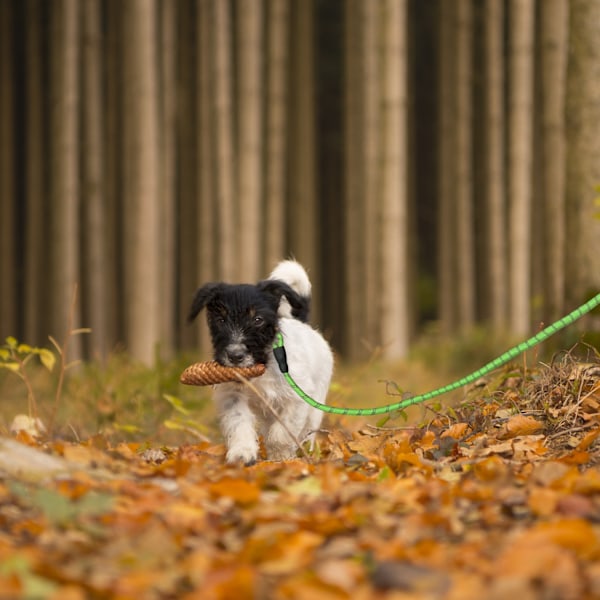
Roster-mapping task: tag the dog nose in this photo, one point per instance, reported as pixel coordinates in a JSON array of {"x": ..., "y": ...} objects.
[{"x": 236, "y": 356}]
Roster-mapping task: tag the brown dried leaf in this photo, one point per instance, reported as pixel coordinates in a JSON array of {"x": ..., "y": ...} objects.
[{"x": 520, "y": 425}]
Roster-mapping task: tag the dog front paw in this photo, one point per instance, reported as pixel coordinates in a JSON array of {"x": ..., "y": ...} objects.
[{"x": 242, "y": 455}]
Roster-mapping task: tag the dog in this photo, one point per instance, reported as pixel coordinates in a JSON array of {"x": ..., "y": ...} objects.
[{"x": 243, "y": 321}]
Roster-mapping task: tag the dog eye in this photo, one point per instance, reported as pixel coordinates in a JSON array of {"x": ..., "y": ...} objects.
[{"x": 258, "y": 320}]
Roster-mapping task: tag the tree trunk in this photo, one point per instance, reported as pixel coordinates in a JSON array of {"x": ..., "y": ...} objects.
[
  {"x": 170, "y": 318},
  {"x": 447, "y": 217},
  {"x": 249, "y": 104},
  {"x": 207, "y": 209},
  {"x": 226, "y": 160},
  {"x": 302, "y": 220},
  {"x": 94, "y": 281},
  {"x": 114, "y": 153},
  {"x": 361, "y": 179},
  {"x": 465, "y": 281},
  {"x": 142, "y": 180},
  {"x": 187, "y": 205},
  {"x": 36, "y": 204},
  {"x": 520, "y": 119},
  {"x": 555, "y": 32},
  {"x": 277, "y": 100},
  {"x": 372, "y": 202},
  {"x": 394, "y": 260},
  {"x": 495, "y": 192},
  {"x": 8, "y": 224},
  {"x": 355, "y": 193},
  {"x": 65, "y": 170},
  {"x": 583, "y": 151}
]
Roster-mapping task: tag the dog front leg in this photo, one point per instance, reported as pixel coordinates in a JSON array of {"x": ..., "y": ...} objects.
[{"x": 239, "y": 431}]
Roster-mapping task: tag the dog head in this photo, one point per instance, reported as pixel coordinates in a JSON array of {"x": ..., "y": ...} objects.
[{"x": 242, "y": 319}]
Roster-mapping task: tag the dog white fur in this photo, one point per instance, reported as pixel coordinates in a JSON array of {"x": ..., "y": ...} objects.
[{"x": 244, "y": 416}]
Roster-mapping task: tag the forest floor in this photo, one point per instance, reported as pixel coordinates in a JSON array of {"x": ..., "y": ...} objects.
[{"x": 494, "y": 497}]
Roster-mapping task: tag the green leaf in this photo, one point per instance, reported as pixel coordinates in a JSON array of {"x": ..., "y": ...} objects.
[
  {"x": 383, "y": 421},
  {"x": 128, "y": 428},
  {"x": 309, "y": 486},
  {"x": 177, "y": 404},
  {"x": 184, "y": 425},
  {"x": 24, "y": 349},
  {"x": 11, "y": 342},
  {"x": 47, "y": 358},
  {"x": 174, "y": 425},
  {"x": 4, "y": 354},
  {"x": 384, "y": 474},
  {"x": 61, "y": 510},
  {"x": 33, "y": 585},
  {"x": 11, "y": 366}
]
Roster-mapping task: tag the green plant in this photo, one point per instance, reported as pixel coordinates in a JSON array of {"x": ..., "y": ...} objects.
[{"x": 15, "y": 356}]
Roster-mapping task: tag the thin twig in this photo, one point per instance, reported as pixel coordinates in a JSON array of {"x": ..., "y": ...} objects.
[
  {"x": 63, "y": 360},
  {"x": 267, "y": 404}
]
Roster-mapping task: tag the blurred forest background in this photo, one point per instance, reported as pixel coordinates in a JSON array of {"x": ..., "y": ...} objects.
[{"x": 429, "y": 161}]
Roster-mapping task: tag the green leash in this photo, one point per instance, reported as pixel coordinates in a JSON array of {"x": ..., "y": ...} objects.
[{"x": 544, "y": 334}]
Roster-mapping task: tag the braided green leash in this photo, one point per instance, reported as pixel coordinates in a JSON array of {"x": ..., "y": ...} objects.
[{"x": 544, "y": 334}]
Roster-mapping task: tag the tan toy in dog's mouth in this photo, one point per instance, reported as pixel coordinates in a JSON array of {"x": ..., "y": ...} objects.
[{"x": 211, "y": 372}]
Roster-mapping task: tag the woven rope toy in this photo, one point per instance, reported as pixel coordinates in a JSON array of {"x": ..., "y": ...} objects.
[{"x": 211, "y": 372}]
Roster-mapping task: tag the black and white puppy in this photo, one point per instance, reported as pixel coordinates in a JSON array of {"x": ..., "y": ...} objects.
[{"x": 243, "y": 321}]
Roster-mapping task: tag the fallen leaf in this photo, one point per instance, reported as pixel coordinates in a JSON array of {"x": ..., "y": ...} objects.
[
  {"x": 519, "y": 425},
  {"x": 456, "y": 431},
  {"x": 589, "y": 439},
  {"x": 239, "y": 490}
]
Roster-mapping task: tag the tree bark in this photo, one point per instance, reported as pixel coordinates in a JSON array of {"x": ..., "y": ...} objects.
[
  {"x": 302, "y": 221},
  {"x": 114, "y": 153},
  {"x": 495, "y": 192},
  {"x": 36, "y": 205},
  {"x": 520, "y": 156},
  {"x": 249, "y": 107},
  {"x": 447, "y": 217},
  {"x": 278, "y": 12},
  {"x": 187, "y": 205},
  {"x": 583, "y": 151},
  {"x": 207, "y": 209},
  {"x": 394, "y": 200},
  {"x": 355, "y": 192},
  {"x": 226, "y": 159},
  {"x": 555, "y": 31},
  {"x": 142, "y": 180},
  {"x": 65, "y": 170},
  {"x": 372, "y": 202},
  {"x": 465, "y": 282},
  {"x": 8, "y": 225},
  {"x": 171, "y": 319},
  {"x": 94, "y": 281}
]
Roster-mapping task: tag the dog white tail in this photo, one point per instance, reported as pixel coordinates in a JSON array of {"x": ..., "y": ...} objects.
[{"x": 294, "y": 274}]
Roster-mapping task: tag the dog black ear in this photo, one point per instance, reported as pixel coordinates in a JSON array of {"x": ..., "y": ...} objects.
[
  {"x": 276, "y": 288},
  {"x": 202, "y": 297}
]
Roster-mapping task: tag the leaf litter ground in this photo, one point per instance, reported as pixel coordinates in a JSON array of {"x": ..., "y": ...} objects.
[{"x": 497, "y": 496}]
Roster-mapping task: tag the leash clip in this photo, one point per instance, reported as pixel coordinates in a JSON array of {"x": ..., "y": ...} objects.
[{"x": 280, "y": 354}]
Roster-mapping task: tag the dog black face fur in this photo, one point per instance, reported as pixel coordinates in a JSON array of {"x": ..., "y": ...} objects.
[{"x": 242, "y": 319}]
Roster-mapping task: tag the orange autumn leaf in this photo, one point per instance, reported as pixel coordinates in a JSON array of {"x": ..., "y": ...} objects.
[
  {"x": 543, "y": 501},
  {"x": 490, "y": 469},
  {"x": 588, "y": 439},
  {"x": 576, "y": 535},
  {"x": 239, "y": 490},
  {"x": 520, "y": 425},
  {"x": 294, "y": 552},
  {"x": 456, "y": 431}
]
